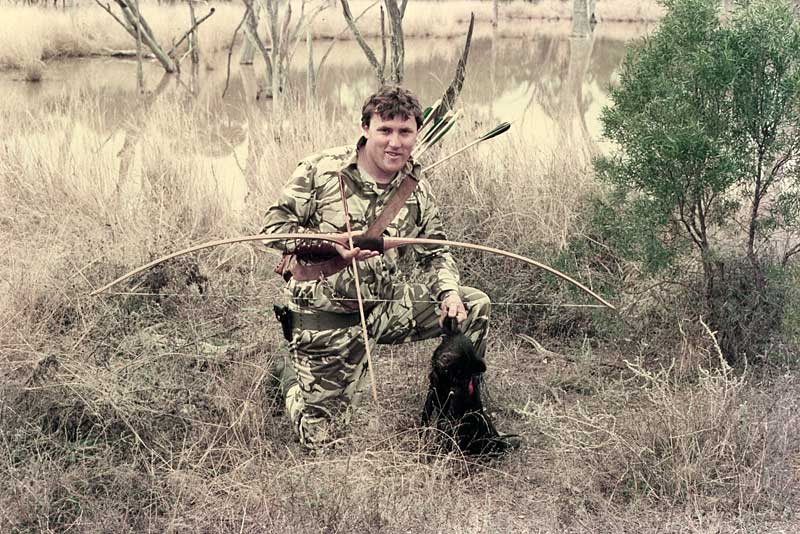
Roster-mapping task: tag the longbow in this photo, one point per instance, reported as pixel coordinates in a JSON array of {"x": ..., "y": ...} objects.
[{"x": 342, "y": 239}]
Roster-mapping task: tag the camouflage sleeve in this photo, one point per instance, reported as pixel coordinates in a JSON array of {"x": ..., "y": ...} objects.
[
  {"x": 294, "y": 208},
  {"x": 435, "y": 260}
]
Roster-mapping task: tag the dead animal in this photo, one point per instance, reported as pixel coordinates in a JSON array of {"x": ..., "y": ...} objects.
[{"x": 454, "y": 406}]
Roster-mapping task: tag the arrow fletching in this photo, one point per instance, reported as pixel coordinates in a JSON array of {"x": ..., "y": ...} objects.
[
  {"x": 436, "y": 137},
  {"x": 428, "y": 114},
  {"x": 494, "y": 132},
  {"x": 501, "y": 128},
  {"x": 436, "y": 132}
]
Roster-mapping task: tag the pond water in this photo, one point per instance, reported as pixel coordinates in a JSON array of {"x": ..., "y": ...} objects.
[{"x": 553, "y": 87}]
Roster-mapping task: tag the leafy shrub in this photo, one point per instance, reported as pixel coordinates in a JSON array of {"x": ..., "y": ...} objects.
[{"x": 706, "y": 116}]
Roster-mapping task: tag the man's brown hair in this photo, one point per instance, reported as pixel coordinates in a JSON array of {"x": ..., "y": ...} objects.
[{"x": 392, "y": 101}]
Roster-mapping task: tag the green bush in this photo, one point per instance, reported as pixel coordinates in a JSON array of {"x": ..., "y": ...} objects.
[{"x": 706, "y": 119}]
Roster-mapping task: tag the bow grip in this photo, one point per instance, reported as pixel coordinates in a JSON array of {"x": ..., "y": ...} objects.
[{"x": 368, "y": 243}]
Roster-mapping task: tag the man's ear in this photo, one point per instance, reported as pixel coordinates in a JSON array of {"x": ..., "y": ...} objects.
[{"x": 365, "y": 130}]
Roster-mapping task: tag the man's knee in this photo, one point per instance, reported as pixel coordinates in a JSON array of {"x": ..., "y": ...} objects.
[
  {"x": 313, "y": 423},
  {"x": 481, "y": 302},
  {"x": 477, "y": 302}
]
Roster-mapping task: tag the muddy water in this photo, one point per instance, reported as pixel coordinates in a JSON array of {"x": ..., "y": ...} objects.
[{"x": 553, "y": 87}]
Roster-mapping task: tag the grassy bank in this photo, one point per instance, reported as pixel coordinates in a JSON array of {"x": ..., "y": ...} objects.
[
  {"x": 150, "y": 409},
  {"x": 30, "y": 35}
]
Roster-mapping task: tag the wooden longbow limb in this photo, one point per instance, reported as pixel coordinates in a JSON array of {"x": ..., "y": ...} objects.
[
  {"x": 391, "y": 242},
  {"x": 333, "y": 238},
  {"x": 342, "y": 239}
]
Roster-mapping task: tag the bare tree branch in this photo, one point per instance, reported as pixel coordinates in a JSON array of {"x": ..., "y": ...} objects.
[
  {"x": 134, "y": 20},
  {"x": 299, "y": 24},
  {"x": 189, "y": 31},
  {"x": 348, "y": 17},
  {"x": 296, "y": 36},
  {"x": 230, "y": 49},
  {"x": 789, "y": 253},
  {"x": 330, "y": 47},
  {"x": 450, "y": 96},
  {"x": 252, "y": 23},
  {"x": 139, "y": 68},
  {"x": 107, "y": 9},
  {"x": 383, "y": 43},
  {"x": 283, "y": 51}
]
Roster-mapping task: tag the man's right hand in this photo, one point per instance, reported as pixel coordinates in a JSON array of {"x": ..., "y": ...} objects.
[{"x": 357, "y": 253}]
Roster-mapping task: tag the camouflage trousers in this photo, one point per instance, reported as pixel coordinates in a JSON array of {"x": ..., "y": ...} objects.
[{"x": 331, "y": 365}]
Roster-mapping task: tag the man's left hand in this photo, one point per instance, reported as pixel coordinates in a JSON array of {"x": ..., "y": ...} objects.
[{"x": 452, "y": 306}]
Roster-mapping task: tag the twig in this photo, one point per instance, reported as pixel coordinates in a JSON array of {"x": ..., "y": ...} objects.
[
  {"x": 139, "y": 69},
  {"x": 107, "y": 9},
  {"x": 230, "y": 50},
  {"x": 383, "y": 44},
  {"x": 328, "y": 51},
  {"x": 541, "y": 351},
  {"x": 713, "y": 336},
  {"x": 190, "y": 30}
]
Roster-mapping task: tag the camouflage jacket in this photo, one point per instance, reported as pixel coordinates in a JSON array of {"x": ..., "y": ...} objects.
[{"x": 311, "y": 201}]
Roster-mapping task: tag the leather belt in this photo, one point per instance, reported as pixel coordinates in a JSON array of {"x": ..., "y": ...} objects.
[{"x": 323, "y": 320}]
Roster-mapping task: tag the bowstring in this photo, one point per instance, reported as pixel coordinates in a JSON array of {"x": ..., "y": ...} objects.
[{"x": 415, "y": 301}]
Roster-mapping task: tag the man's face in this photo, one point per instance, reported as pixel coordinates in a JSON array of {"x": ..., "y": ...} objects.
[{"x": 389, "y": 144}]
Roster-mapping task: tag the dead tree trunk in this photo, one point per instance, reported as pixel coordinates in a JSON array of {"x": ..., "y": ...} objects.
[
  {"x": 395, "y": 13},
  {"x": 133, "y": 19},
  {"x": 136, "y": 25},
  {"x": 368, "y": 52},
  {"x": 193, "y": 38},
  {"x": 583, "y": 17},
  {"x": 396, "y": 39},
  {"x": 248, "y": 53},
  {"x": 283, "y": 39},
  {"x": 448, "y": 100}
]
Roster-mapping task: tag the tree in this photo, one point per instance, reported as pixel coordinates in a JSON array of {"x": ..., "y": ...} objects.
[
  {"x": 583, "y": 18},
  {"x": 395, "y": 12},
  {"x": 706, "y": 119},
  {"x": 135, "y": 24},
  {"x": 282, "y": 39}
]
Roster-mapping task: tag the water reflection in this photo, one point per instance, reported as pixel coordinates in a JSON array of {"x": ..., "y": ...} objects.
[{"x": 552, "y": 86}]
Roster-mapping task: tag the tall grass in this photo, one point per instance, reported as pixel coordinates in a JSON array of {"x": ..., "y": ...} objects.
[
  {"x": 707, "y": 442},
  {"x": 152, "y": 410}
]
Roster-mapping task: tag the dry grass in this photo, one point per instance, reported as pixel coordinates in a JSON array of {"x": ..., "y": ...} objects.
[
  {"x": 33, "y": 33},
  {"x": 710, "y": 441},
  {"x": 153, "y": 411}
]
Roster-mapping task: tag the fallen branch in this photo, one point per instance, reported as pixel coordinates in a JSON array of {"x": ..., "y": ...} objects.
[
  {"x": 107, "y": 52},
  {"x": 544, "y": 353}
]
